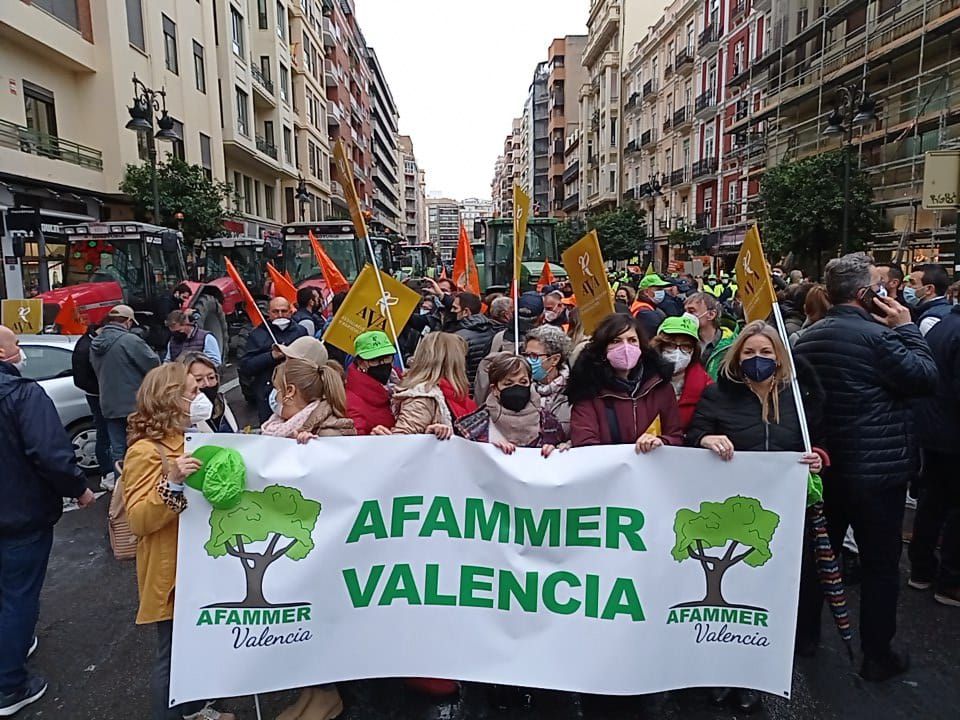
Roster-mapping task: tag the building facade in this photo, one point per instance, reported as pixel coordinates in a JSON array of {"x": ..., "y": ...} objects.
[
  {"x": 472, "y": 210},
  {"x": 444, "y": 226},
  {"x": 508, "y": 170},
  {"x": 412, "y": 194},
  {"x": 386, "y": 152},
  {"x": 537, "y": 139},
  {"x": 565, "y": 76}
]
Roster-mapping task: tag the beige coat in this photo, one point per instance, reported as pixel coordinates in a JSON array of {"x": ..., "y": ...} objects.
[
  {"x": 418, "y": 408},
  {"x": 324, "y": 423}
]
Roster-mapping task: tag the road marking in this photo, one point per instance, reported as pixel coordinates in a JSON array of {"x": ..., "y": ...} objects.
[{"x": 231, "y": 385}]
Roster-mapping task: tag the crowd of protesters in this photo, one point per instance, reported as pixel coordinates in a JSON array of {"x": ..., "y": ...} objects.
[{"x": 876, "y": 353}]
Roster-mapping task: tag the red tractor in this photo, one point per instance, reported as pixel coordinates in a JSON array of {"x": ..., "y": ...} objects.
[{"x": 139, "y": 265}]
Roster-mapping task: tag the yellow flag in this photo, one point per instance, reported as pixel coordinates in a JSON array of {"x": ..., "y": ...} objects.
[
  {"x": 345, "y": 171},
  {"x": 649, "y": 270},
  {"x": 521, "y": 214},
  {"x": 363, "y": 309},
  {"x": 588, "y": 275},
  {"x": 756, "y": 287},
  {"x": 24, "y": 317},
  {"x": 655, "y": 427}
]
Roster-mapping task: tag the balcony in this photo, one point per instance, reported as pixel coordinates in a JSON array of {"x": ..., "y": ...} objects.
[
  {"x": 558, "y": 100},
  {"x": 684, "y": 62},
  {"x": 648, "y": 137},
  {"x": 558, "y": 147},
  {"x": 705, "y": 105},
  {"x": 702, "y": 221},
  {"x": 743, "y": 109},
  {"x": 650, "y": 89},
  {"x": 679, "y": 177},
  {"x": 571, "y": 203},
  {"x": 682, "y": 118},
  {"x": 667, "y": 125},
  {"x": 631, "y": 147},
  {"x": 592, "y": 160},
  {"x": 705, "y": 168},
  {"x": 630, "y": 194},
  {"x": 709, "y": 41},
  {"x": 33, "y": 142},
  {"x": 603, "y": 29},
  {"x": 632, "y": 102},
  {"x": 738, "y": 8},
  {"x": 731, "y": 211},
  {"x": 266, "y": 147},
  {"x": 572, "y": 171},
  {"x": 261, "y": 81},
  {"x": 329, "y": 41},
  {"x": 668, "y": 72}
]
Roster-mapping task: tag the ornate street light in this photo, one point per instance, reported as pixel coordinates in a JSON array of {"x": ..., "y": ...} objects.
[{"x": 146, "y": 103}]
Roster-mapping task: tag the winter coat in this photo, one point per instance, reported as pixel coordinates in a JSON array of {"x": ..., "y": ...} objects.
[
  {"x": 937, "y": 417},
  {"x": 478, "y": 331},
  {"x": 123, "y": 360},
  {"x": 793, "y": 319},
  {"x": 368, "y": 402},
  {"x": 324, "y": 422},
  {"x": 154, "y": 523},
  {"x": 695, "y": 381},
  {"x": 671, "y": 306},
  {"x": 84, "y": 376},
  {"x": 714, "y": 360},
  {"x": 418, "y": 408},
  {"x": 731, "y": 408},
  {"x": 39, "y": 465},
  {"x": 637, "y": 405},
  {"x": 869, "y": 375},
  {"x": 258, "y": 362}
]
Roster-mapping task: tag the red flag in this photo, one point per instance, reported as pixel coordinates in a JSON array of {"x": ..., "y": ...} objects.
[
  {"x": 331, "y": 273},
  {"x": 443, "y": 273},
  {"x": 465, "y": 273},
  {"x": 546, "y": 276},
  {"x": 249, "y": 304},
  {"x": 281, "y": 286},
  {"x": 68, "y": 318},
  {"x": 286, "y": 274}
]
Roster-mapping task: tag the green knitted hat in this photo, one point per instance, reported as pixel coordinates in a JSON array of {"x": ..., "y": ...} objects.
[{"x": 221, "y": 477}]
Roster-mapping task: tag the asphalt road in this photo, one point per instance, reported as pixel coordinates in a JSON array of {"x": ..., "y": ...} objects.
[{"x": 98, "y": 662}]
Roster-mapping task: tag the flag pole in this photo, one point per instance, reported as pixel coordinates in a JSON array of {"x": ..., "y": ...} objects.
[
  {"x": 385, "y": 300},
  {"x": 794, "y": 382}
]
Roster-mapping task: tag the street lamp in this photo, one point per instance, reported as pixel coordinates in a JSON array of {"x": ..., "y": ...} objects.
[
  {"x": 652, "y": 191},
  {"x": 854, "y": 108},
  {"x": 302, "y": 195},
  {"x": 146, "y": 102}
]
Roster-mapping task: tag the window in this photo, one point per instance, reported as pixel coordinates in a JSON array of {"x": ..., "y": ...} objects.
[
  {"x": 284, "y": 82},
  {"x": 135, "y": 24},
  {"x": 236, "y": 31},
  {"x": 65, "y": 10},
  {"x": 708, "y": 200},
  {"x": 243, "y": 124},
  {"x": 170, "y": 45},
  {"x": 312, "y": 155},
  {"x": 176, "y": 146},
  {"x": 40, "y": 109},
  {"x": 47, "y": 362},
  {"x": 247, "y": 195},
  {"x": 287, "y": 143},
  {"x": 256, "y": 197},
  {"x": 307, "y": 53},
  {"x": 709, "y": 142},
  {"x": 268, "y": 133},
  {"x": 268, "y": 201},
  {"x": 237, "y": 188},
  {"x": 199, "y": 70},
  {"x": 206, "y": 156},
  {"x": 265, "y": 68},
  {"x": 281, "y": 21},
  {"x": 262, "y": 14}
]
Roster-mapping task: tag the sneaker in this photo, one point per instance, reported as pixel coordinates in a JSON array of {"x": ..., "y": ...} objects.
[
  {"x": 747, "y": 701},
  {"x": 950, "y": 598},
  {"x": 108, "y": 482},
  {"x": 919, "y": 583},
  {"x": 70, "y": 504},
  {"x": 12, "y": 703},
  {"x": 33, "y": 646},
  {"x": 208, "y": 713},
  {"x": 885, "y": 667}
]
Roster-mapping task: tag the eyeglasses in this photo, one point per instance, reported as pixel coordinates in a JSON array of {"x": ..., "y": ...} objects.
[
  {"x": 670, "y": 347},
  {"x": 533, "y": 355}
]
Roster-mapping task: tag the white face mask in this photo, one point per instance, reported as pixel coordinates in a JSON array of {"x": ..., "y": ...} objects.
[
  {"x": 200, "y": 409},
  {"x": 282, "y": 323},
  {"x": 21, "y": 363},
  {"x": 658, "y": 296},
  {"x": 274, "y": 402},
  {"x": 679, "y": 358}
]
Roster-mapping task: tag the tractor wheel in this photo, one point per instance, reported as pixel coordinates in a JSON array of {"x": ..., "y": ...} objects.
[{"x": 213, "y": 321}]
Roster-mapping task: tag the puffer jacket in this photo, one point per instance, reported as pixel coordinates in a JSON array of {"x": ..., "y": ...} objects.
[
  {"x": 478, "y": 331},
  {"x": 937, "y": 417},
  {"x": 419, "y": 407},
  {"x": 368, "y": 402},
  {"x": 324, "y": 422},
  {"x": 121, "y": 360},
  {"x": 869, "y": 375}
]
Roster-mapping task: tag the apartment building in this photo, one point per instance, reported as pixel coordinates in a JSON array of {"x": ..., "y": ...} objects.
[
  {"x": 537, "y": 139},
  {"x": 411, "y": 194},
  {"x": 387, "y": 215},
  {"x": 508, "y": 170},
  {"x": 565, "y": 76},
  {"x": 63, "y": 141},
  {"x": 472, "y": 210},
  {"x": 571, "y": 173},
  {"x": 443, "y": 216}
]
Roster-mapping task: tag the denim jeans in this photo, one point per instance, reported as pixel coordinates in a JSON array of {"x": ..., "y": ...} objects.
[
  {"x": 117, "y": 430},
  {"x": 104, "y": 450},
  {"x": 160, "y": 680},
  {"x": 23, "y": 566}
]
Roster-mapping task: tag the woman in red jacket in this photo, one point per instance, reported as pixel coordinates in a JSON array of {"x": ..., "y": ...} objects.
[
  {"x": 368, "y": 395},
  {"x": 620, "y": 390},
  {"x": 678, "y": 343}
]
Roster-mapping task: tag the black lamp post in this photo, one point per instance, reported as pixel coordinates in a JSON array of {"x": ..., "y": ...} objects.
[
  {"x": 146, "y": 102},
  {"x": 652, "y": 191},
  {"x": 853, "y": 108},
  {"x": 302, "y": 195}
]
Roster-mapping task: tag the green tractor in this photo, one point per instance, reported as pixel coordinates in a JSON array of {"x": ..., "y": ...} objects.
[{"x": 493, "y": 252}]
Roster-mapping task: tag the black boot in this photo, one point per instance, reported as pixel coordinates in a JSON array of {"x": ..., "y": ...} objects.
[{"x": 878, "y": 668}]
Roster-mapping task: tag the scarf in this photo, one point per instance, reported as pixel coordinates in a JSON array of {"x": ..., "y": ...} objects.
[
  {"x": 276, "y": 426},
  {"x": 555, "y": 386},
  {"x": 460, "y": 405},
  {"x": 520, "y": 428}
]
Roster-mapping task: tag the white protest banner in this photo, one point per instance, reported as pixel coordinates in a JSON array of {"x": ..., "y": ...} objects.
[{"x": 596, "y": 571}]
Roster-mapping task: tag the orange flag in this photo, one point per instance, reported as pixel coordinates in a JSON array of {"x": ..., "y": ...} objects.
[
  {"x": 443, "y": 273},
  {"x": 249, "y": 304},
  {"x": 286, "y": 274},
  {"x": 281, "y": 286},
  {"x": 331, "y": 273},
  {"x": 465, "y": 273},
  {"x": 69, "y": 320},
  {"x": 546, "y": 276}
]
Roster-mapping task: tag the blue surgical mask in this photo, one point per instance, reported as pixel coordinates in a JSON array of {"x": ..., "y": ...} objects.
[
  {"x": 758, "y": 368},
  {"x": 658, "y": 296},
  {"x": 274, "y": 402},
  {"x": 537, "y": 370},
  {"x": 910, "y": 297}
]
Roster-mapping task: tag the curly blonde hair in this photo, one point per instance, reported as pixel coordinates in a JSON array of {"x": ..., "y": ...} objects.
[{"x": 160, "y": 412}]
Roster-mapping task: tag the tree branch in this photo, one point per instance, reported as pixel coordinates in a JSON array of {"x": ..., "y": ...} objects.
[
  {"x": 740, "y": 557},
  {"x": 283, "y": 551},
  {"x": 273, "y": 545},
  {"x": 729, "y": 553}
]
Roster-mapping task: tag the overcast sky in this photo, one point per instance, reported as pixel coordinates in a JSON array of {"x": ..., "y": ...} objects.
[{"x": 459, "y": 73}]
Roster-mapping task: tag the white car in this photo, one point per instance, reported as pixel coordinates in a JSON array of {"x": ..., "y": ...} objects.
[{"x": 49, "y": 363}]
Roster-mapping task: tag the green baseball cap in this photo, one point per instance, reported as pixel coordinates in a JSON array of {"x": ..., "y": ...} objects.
[
  {"x": 372, "y": 345},
  {"x": 221, "y": 477},
  {"x": 683, "y": 325},
  {"x": 653, "y": 281}
]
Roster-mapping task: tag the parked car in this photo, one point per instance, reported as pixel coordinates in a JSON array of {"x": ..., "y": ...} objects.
[{"x": 48, "y": 362}]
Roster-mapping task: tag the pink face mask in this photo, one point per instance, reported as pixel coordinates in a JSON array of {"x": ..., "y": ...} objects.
[{"x": 623, "y": 356}]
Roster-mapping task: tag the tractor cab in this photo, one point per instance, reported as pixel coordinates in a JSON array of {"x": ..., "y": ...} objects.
[
  {"x": 494, "y": 255},
  {"x": 249, "y": 256},
  {"x": 417, "y": 261},
  {"x": 341, "y": 244}
]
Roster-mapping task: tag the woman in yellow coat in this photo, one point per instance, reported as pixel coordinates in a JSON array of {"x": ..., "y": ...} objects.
[{"x": 154, "y": 469}]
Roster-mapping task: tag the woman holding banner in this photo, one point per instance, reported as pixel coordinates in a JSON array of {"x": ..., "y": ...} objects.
[
  {"x": 153, "y": 475},
  {"x": 751, "y": 408},
  {"x": 620, "y": 390}
]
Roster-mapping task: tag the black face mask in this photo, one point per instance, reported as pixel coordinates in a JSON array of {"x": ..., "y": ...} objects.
[
  {"x": 515, "y": 398},
  {"x": 211, "y": 392},
  {"x": 179, "y": 335},
  {"x": 380, "y": 373}
]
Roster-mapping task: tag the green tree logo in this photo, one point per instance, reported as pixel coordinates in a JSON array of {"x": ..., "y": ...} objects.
[
  {"x": 740, "y": 521},
  {"x": 274, "y": 514}
]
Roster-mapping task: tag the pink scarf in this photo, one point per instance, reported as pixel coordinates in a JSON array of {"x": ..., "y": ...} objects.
[{"x": 278, "y": 427}]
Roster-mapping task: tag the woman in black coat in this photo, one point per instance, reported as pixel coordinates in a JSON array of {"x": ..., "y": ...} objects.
[{"x": 751, "y": 408}]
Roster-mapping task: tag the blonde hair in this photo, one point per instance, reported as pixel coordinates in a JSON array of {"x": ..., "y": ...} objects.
[
  {"x": 439, "y": 356},
  {"x": 160, "y": 412},
  {"x": 731, "y": 365},
  {"x": 323, "y": 383}
]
